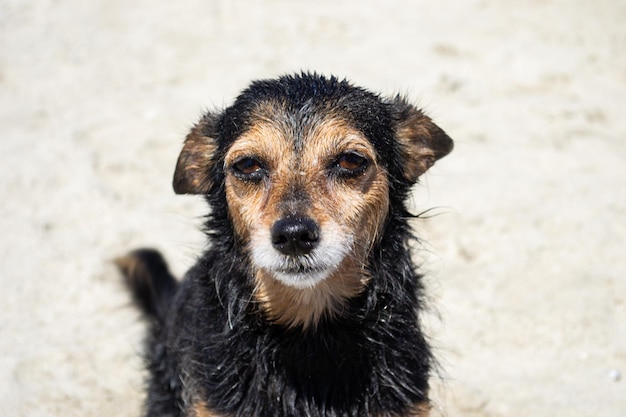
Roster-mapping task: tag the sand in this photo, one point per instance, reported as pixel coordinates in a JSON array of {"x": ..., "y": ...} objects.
[{"x": 525, "y": 260}]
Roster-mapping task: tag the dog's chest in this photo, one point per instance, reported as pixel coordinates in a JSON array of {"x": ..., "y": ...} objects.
[{"x": 317, "y": 375}]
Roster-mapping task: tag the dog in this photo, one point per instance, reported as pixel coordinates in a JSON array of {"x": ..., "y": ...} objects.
[{"x": 306, "y": 302}]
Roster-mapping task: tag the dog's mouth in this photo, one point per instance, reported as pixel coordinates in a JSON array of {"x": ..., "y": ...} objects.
[
  {"x": 302, "y": 277},
  {"x": 301, "y": 271}
]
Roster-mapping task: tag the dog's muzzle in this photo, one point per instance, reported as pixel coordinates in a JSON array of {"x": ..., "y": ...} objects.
[{"x": 299, "y": 251}]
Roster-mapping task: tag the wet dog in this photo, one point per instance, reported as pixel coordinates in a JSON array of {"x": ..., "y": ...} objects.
[{"x": 306, "y": 302}]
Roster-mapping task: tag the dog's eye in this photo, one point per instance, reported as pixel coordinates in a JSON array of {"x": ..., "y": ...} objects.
[
  {"x": 351, "y": 164},
  {"x": 249, "y": 169},
  {"x": 247, "y": 166}
]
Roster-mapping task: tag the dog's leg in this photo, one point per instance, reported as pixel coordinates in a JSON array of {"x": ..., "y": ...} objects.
[{"x": 147, "y": 276}]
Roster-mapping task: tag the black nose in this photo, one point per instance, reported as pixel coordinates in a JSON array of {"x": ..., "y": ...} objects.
[{"x": 295, "y": 235}]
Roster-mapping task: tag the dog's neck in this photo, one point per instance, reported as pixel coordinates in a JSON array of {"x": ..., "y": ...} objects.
[{"x": 305, "y": 307}]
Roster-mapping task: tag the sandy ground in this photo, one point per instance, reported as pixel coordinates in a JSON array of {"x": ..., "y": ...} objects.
[{"x": 525, "y": 262}]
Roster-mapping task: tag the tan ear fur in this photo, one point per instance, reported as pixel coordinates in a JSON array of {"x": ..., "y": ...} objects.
[
  {"x": 421, "y": 141},
  {"x": 192, "y": 175}
]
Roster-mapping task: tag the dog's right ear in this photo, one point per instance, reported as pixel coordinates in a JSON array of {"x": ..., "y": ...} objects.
[{"x": 192, "y": 175}]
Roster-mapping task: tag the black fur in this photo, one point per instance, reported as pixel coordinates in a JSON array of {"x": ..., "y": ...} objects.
[
  {"x": 212, "y": 344},
  {"x": 150, "y": 281}
]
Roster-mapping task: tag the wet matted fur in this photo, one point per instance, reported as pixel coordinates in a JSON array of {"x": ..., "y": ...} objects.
[{"x": 306, "y": 302}]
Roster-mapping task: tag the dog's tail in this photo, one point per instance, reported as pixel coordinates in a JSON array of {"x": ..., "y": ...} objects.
[{"x": 147, "y": 276}]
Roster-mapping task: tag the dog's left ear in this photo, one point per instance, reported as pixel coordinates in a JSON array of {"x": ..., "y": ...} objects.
[
  {"x": 192, "y": 175},
  {"x": 421, "y": 141}
]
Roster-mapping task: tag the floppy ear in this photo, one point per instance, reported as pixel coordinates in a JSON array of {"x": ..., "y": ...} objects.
[
  {"x": 421, "y": 141},
  {"x": 192, "y": 175}
]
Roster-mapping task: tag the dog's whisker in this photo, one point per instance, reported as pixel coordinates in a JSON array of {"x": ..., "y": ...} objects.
[{"x": 422, "y": 214}]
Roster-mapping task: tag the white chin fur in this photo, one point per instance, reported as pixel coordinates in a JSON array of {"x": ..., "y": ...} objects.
[{"x": 308, "y": 270}]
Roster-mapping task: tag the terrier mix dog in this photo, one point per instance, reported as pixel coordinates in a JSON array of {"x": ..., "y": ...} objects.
[{"x": 306, "y": 302}]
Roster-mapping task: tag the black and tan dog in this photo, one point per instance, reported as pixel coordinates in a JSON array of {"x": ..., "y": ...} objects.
[{"x": 306, "y": 302}]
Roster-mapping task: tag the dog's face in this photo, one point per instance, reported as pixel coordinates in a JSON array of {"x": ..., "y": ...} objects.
[
  {"x": 304, "y": 207},
  {"x": 307, "y": 177}
]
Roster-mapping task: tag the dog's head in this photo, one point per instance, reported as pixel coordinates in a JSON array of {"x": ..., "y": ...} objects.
[{"x": 310, "y": 167}]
